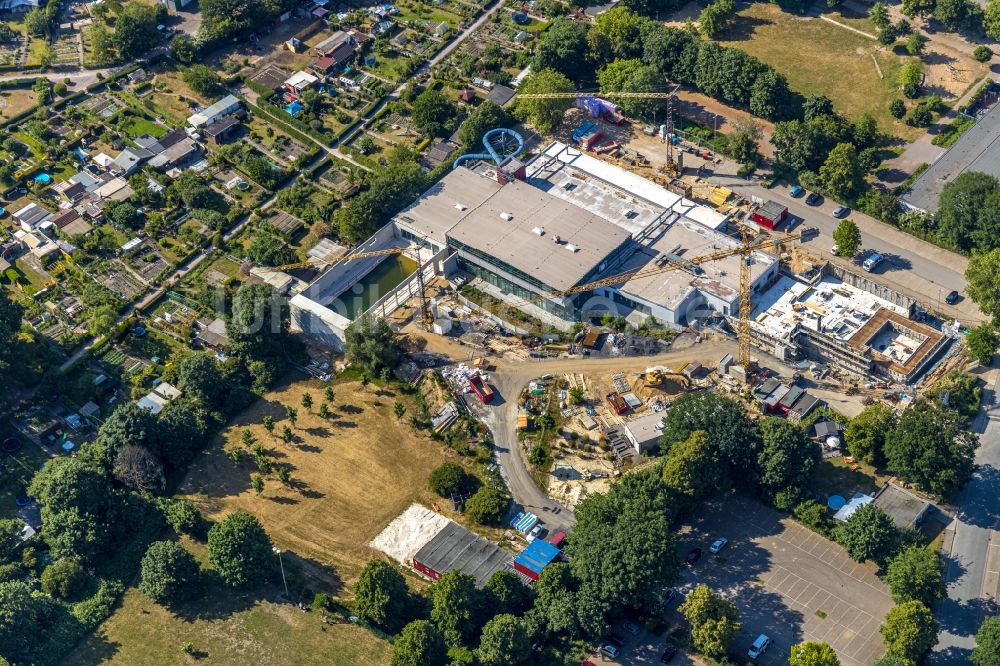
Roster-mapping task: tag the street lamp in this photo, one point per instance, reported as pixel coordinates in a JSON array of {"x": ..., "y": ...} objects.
[{"x": 282, "y": 565}]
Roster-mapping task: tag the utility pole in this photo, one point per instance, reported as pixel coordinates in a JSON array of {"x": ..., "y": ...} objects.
[{"x": 282, "y": 565}]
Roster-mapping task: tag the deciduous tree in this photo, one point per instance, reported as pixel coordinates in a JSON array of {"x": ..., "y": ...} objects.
[
  {"x": 917, "y": 574},
  {"x": 456, "y": 607},
  {"x": 563, "y": 48},
  {"x": 847, "y": 237},
  {"x": 910, "y": 631},
  {"x": 488, "y": 505},
  {"x": 869, "y": 534},
  {"x": 930, "y": 449},
  {"x": 372, "y": 344},
  {"x": 692, "y": 467},
  {"x": 787, "y": 461},
  {"x": 982, "y": 342},
  {"x": 168, "y": 573},
  {"x": 240, "y": 550},
  {"x": 420, "y": 644},
  {"x": 381, "y": 596},
  {"x": 987, "y": 651},
  {"x": 714, "y": 620},
  {"x": 544, "y": 114},
  {"x": 504, "y": 641},
  {"x": 867, "y": 431},
  {"x": 810, "y": 653}
]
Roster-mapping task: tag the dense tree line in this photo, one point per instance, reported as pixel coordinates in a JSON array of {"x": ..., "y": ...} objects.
[
  {"x": 727, "y": 74},
  {"x": 223, "y": 19},
  {"x": 388, "y": 190}
]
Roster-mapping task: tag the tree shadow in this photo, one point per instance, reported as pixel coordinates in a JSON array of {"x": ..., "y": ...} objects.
[
  {"x": 309, "y": 448},
  {"x": 893, "y": 262},
  {"x": 282, "y": 499},
  {"x": 979, "y": 500},
  {"x": 345, "y": 424},
  {"x": 351, "y": 409},
  {"x": 937, "y": 58},
  {"x": 385, "y": 393},
  {"x": 318, "y": 431},
  {"x": 96, "y": 649},
  {"x": 744, "y": 28}
]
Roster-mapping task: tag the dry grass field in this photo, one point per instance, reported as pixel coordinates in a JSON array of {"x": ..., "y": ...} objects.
[
  {"x": 229, "y": 628},
  {"x": 351, "y": 474}
]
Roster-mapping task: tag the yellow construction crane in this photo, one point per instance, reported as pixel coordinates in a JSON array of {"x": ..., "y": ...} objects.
[
  {"x": 745, "y": 250},
  {"x": 324, "y": 263}
]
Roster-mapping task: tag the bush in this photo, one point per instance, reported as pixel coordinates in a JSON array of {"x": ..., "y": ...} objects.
[
  {"x": 63, "y": 579},
  {"x": 982, "y": 53},
  {"x": 815, "y": 516},
  {"x": 183, "y": 518}
]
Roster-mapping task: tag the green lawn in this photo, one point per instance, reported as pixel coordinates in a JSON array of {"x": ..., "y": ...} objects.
[
  {"x": 835, "y": 477},
  {"x": 136, "y": 126},
  {"x": 388, "y": 67},
  {"x": 829, "y": 60}
]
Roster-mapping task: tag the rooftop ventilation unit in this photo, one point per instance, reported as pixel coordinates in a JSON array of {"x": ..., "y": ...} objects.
[
  {"x": 507, "y": 216},
  {"x": 538, "y": 231},
  {"x": 460, "y": 206},
  {"x": 572, "y": 248}
]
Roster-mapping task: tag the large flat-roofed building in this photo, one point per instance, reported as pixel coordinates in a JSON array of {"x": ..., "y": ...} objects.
[
  {"x": 428, "y": 219},
  {"x": 976, "y": 150},
  {"x": 672, "y": 296},
  {"x": 835, "y": 320},
  {"x": 530, "y": 244}
]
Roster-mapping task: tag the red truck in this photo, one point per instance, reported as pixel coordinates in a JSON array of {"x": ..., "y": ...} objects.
[{"x": 481, "y": 389}]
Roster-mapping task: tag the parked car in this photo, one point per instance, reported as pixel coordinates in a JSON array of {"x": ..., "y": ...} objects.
[
  {"x": 610, "y": 651},
  {"x": 587, "y": 662},
  {"x": 834, "y": 251},
  {"x": 631, "y": 628},
  {"x": 718, "y": 545},
  {"x": 668, "y": 654},
  {"x": 813, "y": 199},
  {"x": 951, "y": 298},
  {"x": 668, "y": 596},
  {"x": 759, "y": 646},
  {"x": 693, "y": 556},
  {"x": 872, "y": 261},
  {"x": 841, "y": 212},
  {"x": 796, "y": 191}
]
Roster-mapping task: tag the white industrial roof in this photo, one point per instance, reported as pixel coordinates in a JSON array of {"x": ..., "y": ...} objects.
[
  {"x": 572, "y": 241},
  {"x": 622, "y": 179}
]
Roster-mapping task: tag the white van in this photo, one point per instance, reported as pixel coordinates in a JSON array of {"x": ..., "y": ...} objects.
[
  {"x": 759, "y": 646},
  {"x": 873, "y": 260}
]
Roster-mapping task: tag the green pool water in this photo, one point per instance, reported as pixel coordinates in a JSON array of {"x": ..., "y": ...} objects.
[{"x": 380, "y": 281}]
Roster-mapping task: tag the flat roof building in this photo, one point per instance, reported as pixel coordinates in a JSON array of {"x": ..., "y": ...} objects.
[
  {"x": 906, "y": 509},
  {"x": 978, "y": 149},
  {"x": 644, "y": 432}
]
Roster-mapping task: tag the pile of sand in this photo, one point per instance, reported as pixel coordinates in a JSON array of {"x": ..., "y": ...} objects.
[{"x": 409, "y": 532}]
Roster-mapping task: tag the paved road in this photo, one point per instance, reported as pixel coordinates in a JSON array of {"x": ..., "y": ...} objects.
[
  {"x": 915, "y": 267},
  {"x": 508, "y": 380},
  {"x": 971, "y": 574}
]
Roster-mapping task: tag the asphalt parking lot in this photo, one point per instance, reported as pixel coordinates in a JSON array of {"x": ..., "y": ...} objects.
[{"x": 787, "y": 582}]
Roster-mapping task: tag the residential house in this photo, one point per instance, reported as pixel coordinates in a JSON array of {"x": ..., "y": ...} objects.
[
  {"x": 70, "y": 222},
  {"x": 213, "y": 333},
  {"x": 176, "y": 155},
  {"x": 323, "y": 66},
  {"x": 116, "y": 189},
  {"x": 129, "y": 161},
  {"x": 222, "y": 130},
  {"x": 31, "y": 216},
  {"x": 297, "y": 83},
  {"x": 225, "y": 106},
  {"x": 333, "y": 42},
  {"x": 439, "y": 153},
  {"x": 70, "y": 191},
  {"x": 89, "y": 181},
  {"x": 500, "y": 94},
  {"x": 18, "y": 6}
]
